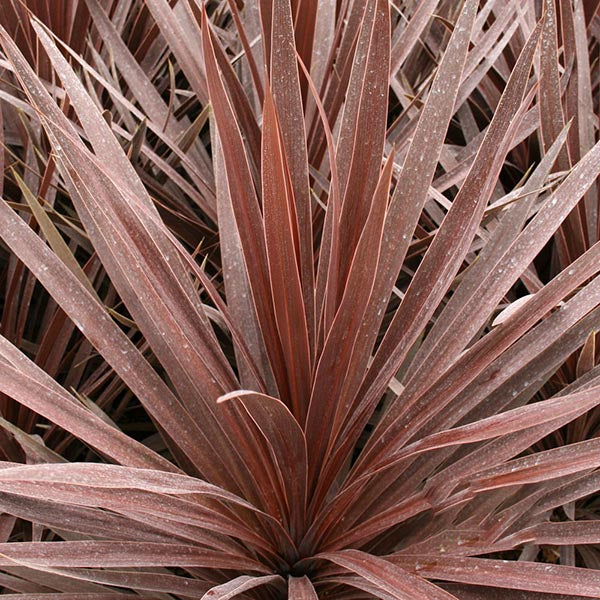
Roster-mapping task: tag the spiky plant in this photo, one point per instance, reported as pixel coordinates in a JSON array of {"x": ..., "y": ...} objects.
[{"x": 300, "y": 300}]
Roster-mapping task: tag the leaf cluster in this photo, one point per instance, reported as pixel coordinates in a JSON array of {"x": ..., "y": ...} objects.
[{"x": 299, "y": 299}]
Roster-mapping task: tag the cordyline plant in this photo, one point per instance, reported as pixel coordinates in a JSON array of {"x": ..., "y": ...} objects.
[{"x": 300, "y": 299}]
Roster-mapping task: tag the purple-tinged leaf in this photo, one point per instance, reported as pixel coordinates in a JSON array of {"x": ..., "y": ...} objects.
[
  {"x": 39, "y": 392},
  {"x": 587, "y": 357},
  {"x": 400, "y": 584},
  {"x": 286, "y": 450},
  {"x": 282, "y": 243},
  {"x": 324, "y": 418},
  {"x": 505, "y": 423},
  {"x": 78, "y": 596},
  {"x": 359, "y": 156},
  {"x": 525, "y": 576},
  {"x": 300, "y": 588},
  {"x": 245, "y": 207},
  {"x": 124, "y": 554},
  {"x": 287, "y": 98},
  {"x": 239, "y": 585}
]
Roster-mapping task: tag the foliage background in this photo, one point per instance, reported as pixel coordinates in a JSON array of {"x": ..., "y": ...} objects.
[{"x": 299, "y": 299}]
